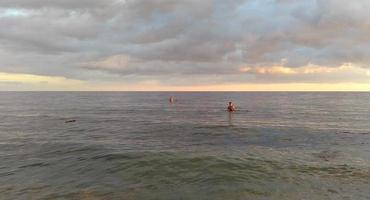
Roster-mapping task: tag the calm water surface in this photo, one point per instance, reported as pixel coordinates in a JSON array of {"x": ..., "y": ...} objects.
[{"x": 138, "y": 146}]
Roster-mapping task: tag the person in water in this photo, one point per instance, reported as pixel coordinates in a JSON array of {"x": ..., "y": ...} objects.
[
  {"x": 231, "y": 107},
  {"x": 172, "y": 99}
]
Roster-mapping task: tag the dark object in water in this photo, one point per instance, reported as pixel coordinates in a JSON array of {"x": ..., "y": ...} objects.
[
  {"x": 327, "y": 155},
  {"x": 70, "y": 121}
]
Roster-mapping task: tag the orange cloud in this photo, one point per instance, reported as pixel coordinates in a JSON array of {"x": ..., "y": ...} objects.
[
  {"x": 37, "y": 82},
  {"x": 310, "y": 69},
  {"x": 269, "y": 70}
]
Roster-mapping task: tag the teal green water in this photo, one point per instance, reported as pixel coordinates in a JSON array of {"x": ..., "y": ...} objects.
[{"x": 138, "y": 146}]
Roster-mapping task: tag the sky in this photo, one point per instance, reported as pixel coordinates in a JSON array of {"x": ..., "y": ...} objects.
[{"x": 185, "y": 45}]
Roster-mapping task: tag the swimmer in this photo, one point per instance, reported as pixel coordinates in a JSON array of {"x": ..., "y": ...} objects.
[
  {"x": 231, "y": 107},
  {"x": 172, "y": 99}
]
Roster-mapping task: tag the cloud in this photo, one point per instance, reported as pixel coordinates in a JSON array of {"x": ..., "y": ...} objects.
[
  {"x": 113, "y": 63},
  {"x": 311, "y": 69},
  {"x": 13, "y": 13},
  {"x": 12, "y": 81},
  {"x": 65, "y": 4},
  {"x": 309, "y": 74},
  {"x": 186, "y": 41}
]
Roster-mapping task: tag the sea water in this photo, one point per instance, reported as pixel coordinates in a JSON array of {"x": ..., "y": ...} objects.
[{"x": 137, "y": 145}]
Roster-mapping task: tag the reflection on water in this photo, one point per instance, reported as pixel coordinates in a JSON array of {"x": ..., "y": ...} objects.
[
  {"x": 139, "y": 146},
  {"x": 230, "y": 119}
]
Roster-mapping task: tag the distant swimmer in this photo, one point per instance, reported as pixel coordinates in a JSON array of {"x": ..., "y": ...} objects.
[
  {"x": 231, "y": 107},
  {"x": 172, "y": 99}
]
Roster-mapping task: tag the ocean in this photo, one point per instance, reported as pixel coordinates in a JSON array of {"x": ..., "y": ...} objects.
[{"x": 136, "y": 145}]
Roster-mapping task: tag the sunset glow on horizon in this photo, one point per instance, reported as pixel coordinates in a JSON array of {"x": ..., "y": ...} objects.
[{"x": 26, "y": 82}]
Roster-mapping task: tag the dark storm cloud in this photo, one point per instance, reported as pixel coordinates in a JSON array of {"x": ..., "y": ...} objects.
[{"x": 160, "y": 38}]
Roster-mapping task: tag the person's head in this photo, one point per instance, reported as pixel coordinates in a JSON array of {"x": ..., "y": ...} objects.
[{"x": 230, "y": 103}]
